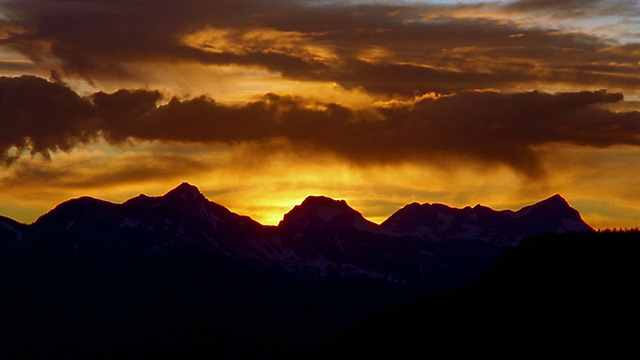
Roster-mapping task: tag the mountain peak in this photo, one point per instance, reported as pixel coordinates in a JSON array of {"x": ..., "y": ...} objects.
[
  {"x": 186, "y": 187},
  {"x": 553, "y": 210},
  {"x": 553, "y": 203},
  {"x": 555, "y": 199},
  {"x": 320, "y": 210},
  {"x": 185, "y": 191},
  {"x": 325, "y": 208},
  {"x": 323, "y": 201}
]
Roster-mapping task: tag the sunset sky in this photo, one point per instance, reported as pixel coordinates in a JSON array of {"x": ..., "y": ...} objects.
[{"x": 260, "y": 103}]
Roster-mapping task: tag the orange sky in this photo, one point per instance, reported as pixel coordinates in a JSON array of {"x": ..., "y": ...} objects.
[{"x": 381, "y": 103}]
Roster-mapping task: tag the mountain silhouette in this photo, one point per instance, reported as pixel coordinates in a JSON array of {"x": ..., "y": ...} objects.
[
  {"x": 428, "y": 246},
  {"x": 169, "y": 275},
  {"x": 438, "y": 221},
  {"x": 321, "y": 212}
]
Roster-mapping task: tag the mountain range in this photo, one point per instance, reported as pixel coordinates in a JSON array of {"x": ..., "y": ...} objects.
[
  {"x": 178, "y": 275},
  {"x": 421, "y": 245}
]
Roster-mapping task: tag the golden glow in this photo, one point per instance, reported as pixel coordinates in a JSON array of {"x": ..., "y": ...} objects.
[
  {"x": 265, "y": 182},
  {"x": 399, "y": 102},
  {"x": 242, "y": 42},
  {"x": 375, "y": 54},
  {"x": 230, "y": 84}
]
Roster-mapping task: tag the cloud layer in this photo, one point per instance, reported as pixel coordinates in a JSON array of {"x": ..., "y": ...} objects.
[
  {"x": 381, "y": 48},
  {"x": 39, "y": 116}
]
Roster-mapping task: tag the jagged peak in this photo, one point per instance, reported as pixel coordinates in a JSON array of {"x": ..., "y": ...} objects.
[
  {"x": 185, "y": 191},
  {"x": 185, "y": 187},
  {"x": 555, "y": 206},
  {"x": 555, "y": 200}
]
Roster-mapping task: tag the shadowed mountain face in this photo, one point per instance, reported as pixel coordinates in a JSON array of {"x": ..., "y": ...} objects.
[
  {"x": 179, "y": 272},
  {"x": 10, "y": 229}
]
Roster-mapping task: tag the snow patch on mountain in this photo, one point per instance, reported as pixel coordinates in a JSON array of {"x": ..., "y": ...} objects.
[
  {"x": 446, "y": 219},
  {"x": 18, "y": 234},
  {"x": 130, "y": 223},
  {"x": 352, "y": 270},
  {"x": 273, "y": 251},
  {"x": 472, "y": 231},
  {"x": 213, "y": 219},
  {"x": 422, "y": 231}
]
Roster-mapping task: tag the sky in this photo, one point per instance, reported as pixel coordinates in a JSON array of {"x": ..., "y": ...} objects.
[{"x": 261, "y": 103}]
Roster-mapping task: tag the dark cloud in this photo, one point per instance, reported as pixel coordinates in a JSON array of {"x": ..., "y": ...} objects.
[
  {"x": 487, "y": 127},
  {"x": 98, "y": 37},
  {"x": 42, "y": 117},
  {"x": 119, "y": 113},
  {"x": 507, "y": 128},
  {"x": 421, "y": 43}
]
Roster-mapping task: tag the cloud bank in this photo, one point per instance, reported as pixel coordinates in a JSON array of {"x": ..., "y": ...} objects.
[{"x": 38, "y": 116}]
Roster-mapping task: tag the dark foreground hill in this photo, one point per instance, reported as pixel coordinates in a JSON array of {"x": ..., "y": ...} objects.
[
  {"x": 572, "y": 296},
  {"x": 108, "y": 305}
]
